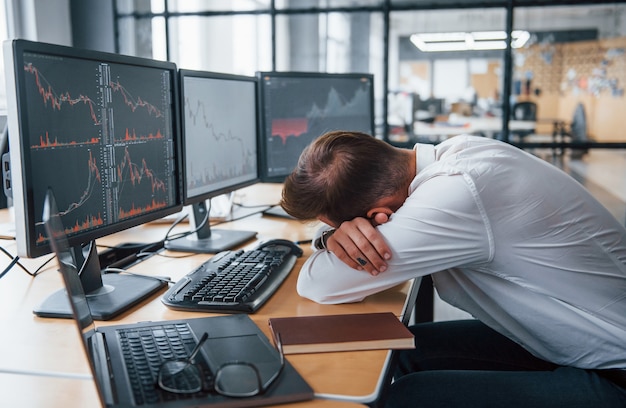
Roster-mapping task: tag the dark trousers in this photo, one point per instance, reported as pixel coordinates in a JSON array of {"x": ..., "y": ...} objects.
[{"x": 466, "y": 364}]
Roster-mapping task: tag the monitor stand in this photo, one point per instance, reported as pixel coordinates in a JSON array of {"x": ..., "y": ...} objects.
[
  {"x": 205, "y": 240},
  {"x": 108, "y": 295}
]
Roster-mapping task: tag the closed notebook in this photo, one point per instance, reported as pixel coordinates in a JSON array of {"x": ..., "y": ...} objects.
[{"x": 317, "y": 334}]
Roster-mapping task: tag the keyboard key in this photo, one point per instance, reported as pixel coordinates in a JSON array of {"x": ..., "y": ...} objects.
[
  {"x": 145, "y": 352},
  {"x": 234, "y": 281}
]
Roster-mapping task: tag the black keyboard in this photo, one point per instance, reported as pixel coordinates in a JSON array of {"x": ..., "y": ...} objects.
[
  {"x": 235, "y": 281},
  {"x": 146, "y": 349}
]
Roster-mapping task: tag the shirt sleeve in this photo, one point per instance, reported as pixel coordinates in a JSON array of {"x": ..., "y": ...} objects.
[{"x": 440, "y": 226}]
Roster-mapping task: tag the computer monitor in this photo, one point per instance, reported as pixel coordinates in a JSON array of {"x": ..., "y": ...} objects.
[
  {"x": 102, "y": 131},
  {"x": 298, "y": 107},
  {"x": 219, "y": 122},
  {"x": 432, "y": 106},
  {"x": 4, "y": 156}
]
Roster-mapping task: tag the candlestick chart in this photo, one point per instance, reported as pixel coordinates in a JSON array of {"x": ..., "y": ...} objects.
[{"x": 100, "y": 138}]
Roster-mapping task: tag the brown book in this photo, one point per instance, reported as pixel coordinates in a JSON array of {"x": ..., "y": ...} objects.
[{"x": 317, "y": 334}]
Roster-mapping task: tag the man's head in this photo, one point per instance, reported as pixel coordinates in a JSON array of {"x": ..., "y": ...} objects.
[{"x": 343, "y": 175}]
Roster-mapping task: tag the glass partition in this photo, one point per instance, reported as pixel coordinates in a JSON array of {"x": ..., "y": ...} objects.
[
  {"x": 445, "y": 76},
  {"x": 339, "y": 42},
  {"x": 573, "y": 70},
  {"x": 237, "y": 44},
  {"x": 440, "y": 67}
]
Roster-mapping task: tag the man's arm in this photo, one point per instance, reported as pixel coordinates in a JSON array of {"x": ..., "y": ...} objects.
[
  {"x": 428, "y": 234},
  {"x": 358, "y": 244},
  {"x": 325, "y": 279}
]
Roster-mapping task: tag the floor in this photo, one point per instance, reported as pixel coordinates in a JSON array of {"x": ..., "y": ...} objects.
[{"x": 601, "y": 171}]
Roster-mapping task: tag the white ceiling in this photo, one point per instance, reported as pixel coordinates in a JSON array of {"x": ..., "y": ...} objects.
[{"x": 609, "y": 19}]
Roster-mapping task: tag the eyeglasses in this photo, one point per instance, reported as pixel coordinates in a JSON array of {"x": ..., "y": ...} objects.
[{"x": 231, "y": 379}]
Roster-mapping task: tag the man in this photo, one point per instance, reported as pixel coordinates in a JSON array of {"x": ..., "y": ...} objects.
[{"x": 507, "y": 237}]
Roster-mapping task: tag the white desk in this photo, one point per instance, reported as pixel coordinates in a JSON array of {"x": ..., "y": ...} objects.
[{"x": 487, "y": 126}]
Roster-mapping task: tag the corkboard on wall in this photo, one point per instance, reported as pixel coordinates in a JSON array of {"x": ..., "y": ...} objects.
[
  {"x": 486, "y": 84},
  {"x": 589, "y": 72}
]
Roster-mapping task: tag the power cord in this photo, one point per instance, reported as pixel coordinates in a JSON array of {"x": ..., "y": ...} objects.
[
  {"x": 121, "y": 270},
  {"x": 15, "y": 261}
]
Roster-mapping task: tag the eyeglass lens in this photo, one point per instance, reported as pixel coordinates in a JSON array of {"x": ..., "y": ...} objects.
[
  {"x": 238, "y": 379},
  {"x": 234, "y": 379},
  {"x": 180, "y": 376}
]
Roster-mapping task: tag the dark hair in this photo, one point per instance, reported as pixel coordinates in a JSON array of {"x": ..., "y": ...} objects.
[{"x": 341, "y": 174}]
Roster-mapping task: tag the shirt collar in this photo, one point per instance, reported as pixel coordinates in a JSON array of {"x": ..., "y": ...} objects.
[{"x": 424, "y": 155}]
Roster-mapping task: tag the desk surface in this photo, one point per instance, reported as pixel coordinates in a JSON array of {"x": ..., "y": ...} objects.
[
  {"x": 34, "y": 391},
  {"x": 33, "y": 345},
  {"x": 486, "y": 125}
]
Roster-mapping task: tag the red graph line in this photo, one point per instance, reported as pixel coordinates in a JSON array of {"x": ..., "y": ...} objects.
[
  {"x": 131, "y": 136},
  {"x": 56, "y": 101},
  {"x": 44, "y": 141},
  {"x": 137, "y": 173},
  {"x": 90, "y": 220},
  {"x": 133, "y": 103},
  {"x": 284, "y": 128},
  {"x": 140, "y": 210}
]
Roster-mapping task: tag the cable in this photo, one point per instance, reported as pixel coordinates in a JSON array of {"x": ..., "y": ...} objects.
[
  {"x": 8, "y": 268},
  {"x": 256, "y": 205},
  {"x": 120, "y": 270},
  {"x": 203, "y": 223},
  {"x": 186, "y": 234},
  {"x": 238, "y": 218},
  {"x": 15, "y": 261}
]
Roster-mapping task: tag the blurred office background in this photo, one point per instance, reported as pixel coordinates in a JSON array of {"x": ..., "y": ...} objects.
[
  {"x": 441, "y": 67},
  {"x": 434, "y": 61}
]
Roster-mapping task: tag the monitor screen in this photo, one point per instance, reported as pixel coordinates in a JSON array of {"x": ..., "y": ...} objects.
[
  {"x": 101, "y": 130},
  {"x": 219, "y": 133},
  {"x": 298, "y": 107},
  {"x": 220, "y": 136}
]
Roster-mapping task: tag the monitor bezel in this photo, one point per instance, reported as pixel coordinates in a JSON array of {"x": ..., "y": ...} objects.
[
  {"x": 262, "y": 144},
  {"x": 21, "y": 174},
  {"x": 184, "y": 73}
]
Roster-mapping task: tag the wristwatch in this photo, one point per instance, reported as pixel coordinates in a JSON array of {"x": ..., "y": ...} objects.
[{"x": 320, "y": 243}]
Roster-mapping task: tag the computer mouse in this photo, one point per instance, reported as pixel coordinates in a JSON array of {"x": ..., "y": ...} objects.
[{"x": 286, "y": 244}]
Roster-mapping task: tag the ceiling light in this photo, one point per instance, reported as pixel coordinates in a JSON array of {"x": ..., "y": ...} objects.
[{"x": 465, "y": 41}]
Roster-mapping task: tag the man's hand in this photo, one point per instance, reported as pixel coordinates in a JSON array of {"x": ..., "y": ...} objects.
[{"x": 358, "y": 244}]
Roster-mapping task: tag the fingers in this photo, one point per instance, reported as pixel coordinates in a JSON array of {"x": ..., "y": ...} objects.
[
  {"x": 359, "y": 245},
  {"x": 380, "y": 218}
]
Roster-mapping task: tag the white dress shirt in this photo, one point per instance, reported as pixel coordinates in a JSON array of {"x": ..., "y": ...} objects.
[{"x": 509, "y": 238}]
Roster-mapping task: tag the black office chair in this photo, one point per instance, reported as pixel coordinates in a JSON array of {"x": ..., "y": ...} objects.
[{"x": 524, "y": 111}]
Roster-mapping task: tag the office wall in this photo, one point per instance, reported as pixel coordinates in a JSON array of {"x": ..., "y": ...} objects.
[
  {"x": 89, "y": 24},
  {"x": 40, "y": 20},
  {"x": 92, "y": 23},
  {"x": 80, "y": 23},
  {"x": 53, "y": 21},
  {"x": 485, "y": 77},
  {"x": 589, "y": 72}
]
